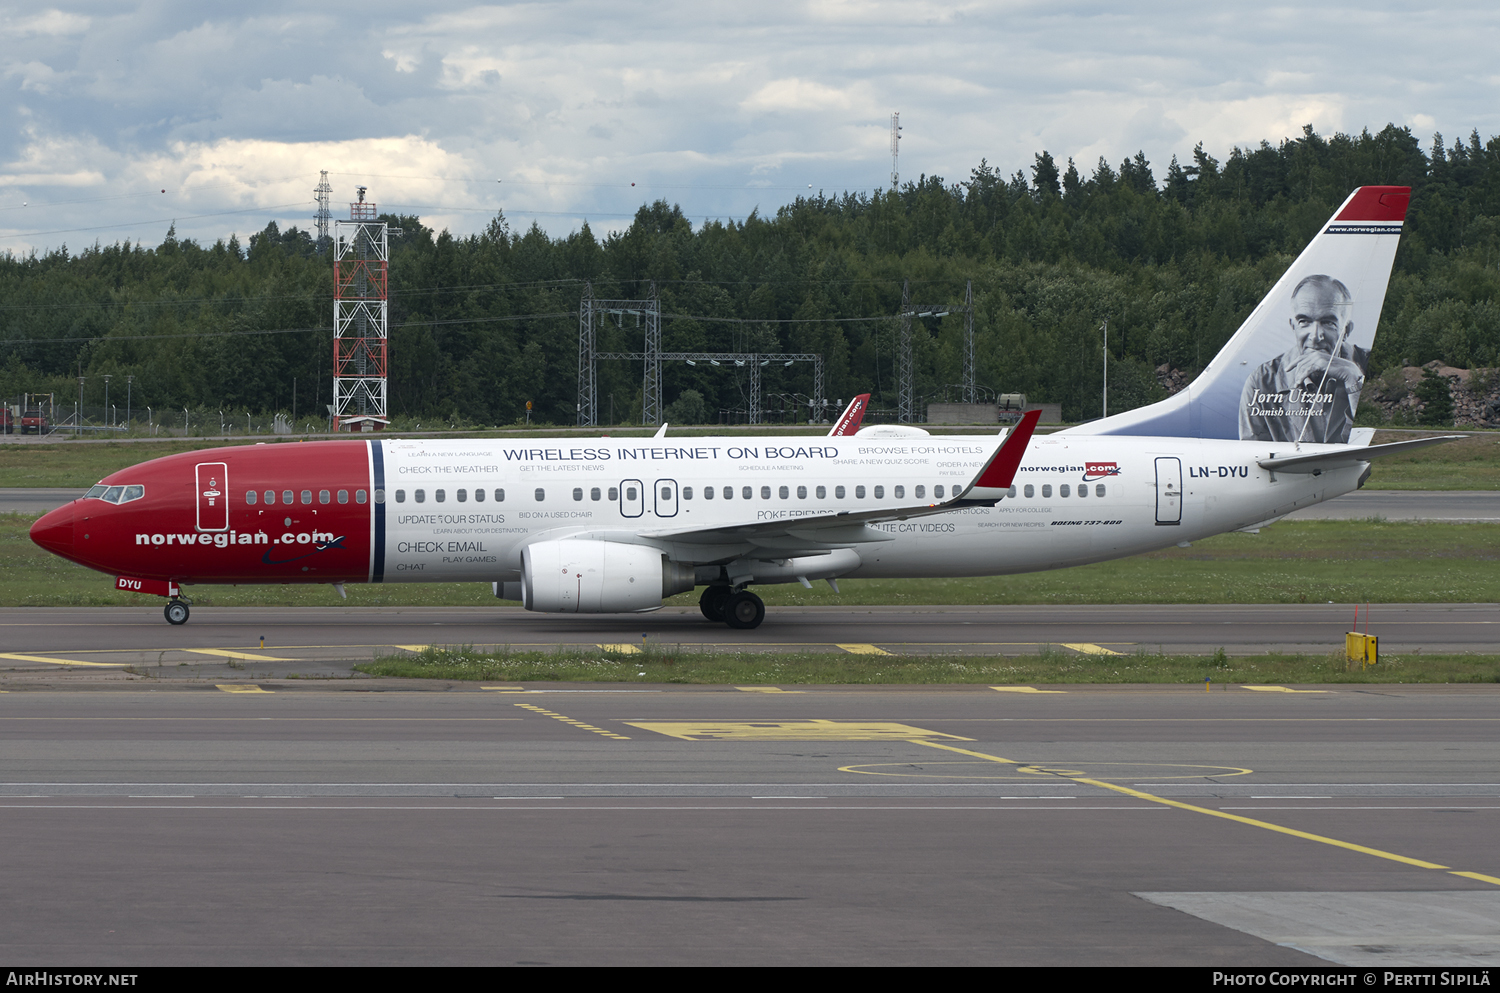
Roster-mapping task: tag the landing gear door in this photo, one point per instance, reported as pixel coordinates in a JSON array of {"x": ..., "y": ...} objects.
[
  {"x": 1168, "y": 491},
  {"x": 664, "y": 492},
  {"x": 213, "y": 496},
  {"x": 632, "y": 498}
]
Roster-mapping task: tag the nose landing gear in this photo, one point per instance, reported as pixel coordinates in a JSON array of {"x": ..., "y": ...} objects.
[{"x": 176, "y": 612}]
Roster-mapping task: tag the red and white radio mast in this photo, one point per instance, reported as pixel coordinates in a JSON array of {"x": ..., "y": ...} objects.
[{"x": 361, "y": 254}]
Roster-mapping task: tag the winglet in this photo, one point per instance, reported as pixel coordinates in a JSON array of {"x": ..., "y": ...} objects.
[
  {"x": 1001, "y": 470},
  {"x": 853, "y": 414}
]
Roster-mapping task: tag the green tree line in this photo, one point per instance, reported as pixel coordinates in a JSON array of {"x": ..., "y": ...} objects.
[{"x": 1174, "y": 259}]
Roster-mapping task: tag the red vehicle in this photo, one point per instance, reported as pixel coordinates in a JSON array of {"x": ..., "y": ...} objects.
[
  {"x": 7, "y": 421},
  {"x": 33, "y": 420}
]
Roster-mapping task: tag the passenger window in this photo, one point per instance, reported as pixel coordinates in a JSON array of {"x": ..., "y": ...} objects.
[
  {"x": 802, "y": 493},
  {"x": 614, "y": 494},
  {"x": 594, "y": 494},
  {"x": 270, "y": 496},
  {"x": 324, "y": 496},
  {"x": 400, "y": 496},
  {"x": 629, "y": 493},
  {"x": 729, "y": 493},
  {"x": 1062, "y": 490},
  {"x": 1030, "y": 490},
  {"x": 708, "y": 492},
  {"x": 541, "y": 494},
  {"x": 880, "y": 492},
  {"x": 937, "y": 491},
  {"x": 838, "y": 492},
  {"x": 287, "y": 497},
  {"x": 440, "y": 495},
  {"x": 1099, "y": 489},
  {"x": 783, "y": 493},
  {"x": 250, "y": 497},
  {"x": 578, "y": 494},
  {"x": 822, "y": 492},
  {"x": 1046, "y": 489},
  {"x": 746, "y": 492},
  {"x": 687, "y": 493},
  {"x": 343, "y": 496},
  {"x": 360, "y": 497},
  {"x": 859, "y": 492},
  {"x": 899, "y": 492},
  {"x": 479, "y": 496},
  {"x": 307, "y": 497},
  {"x": 1011, "y": 492},
  {"x": 420, "y": 495},
  {"x": 666, "y": 492},
  {"x": 919, "y": 492},
  {"x": 1083, "y": 489},
  {"x": 463, "y": 496}
]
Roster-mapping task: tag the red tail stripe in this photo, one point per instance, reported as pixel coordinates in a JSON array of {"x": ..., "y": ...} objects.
[{"x": 1377, "y": 203}]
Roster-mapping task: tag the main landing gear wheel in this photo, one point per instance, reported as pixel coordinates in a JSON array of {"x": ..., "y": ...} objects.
[
  {"x": 176, "y": 612},
  {"x": 713, "y": 600},
  {"x": 744, "y": 610}
]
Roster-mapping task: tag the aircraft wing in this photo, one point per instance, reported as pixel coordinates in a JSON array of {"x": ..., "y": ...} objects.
[
  {"x": 1344, "y": 458},
  {"x": 823, "y": 531}
]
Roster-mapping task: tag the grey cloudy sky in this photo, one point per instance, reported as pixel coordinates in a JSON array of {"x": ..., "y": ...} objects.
[{"x": 232, "y": 109}]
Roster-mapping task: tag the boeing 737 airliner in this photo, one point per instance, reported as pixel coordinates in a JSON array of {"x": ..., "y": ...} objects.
[{"x": 582, "y": 525}]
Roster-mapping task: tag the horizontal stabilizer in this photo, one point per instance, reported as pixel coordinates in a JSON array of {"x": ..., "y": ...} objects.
[{"x": 1343, "y": 458}]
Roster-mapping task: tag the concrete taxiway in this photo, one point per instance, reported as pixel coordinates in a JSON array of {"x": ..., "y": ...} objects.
[
  {"x": 274, "y": 642},
  {"x": 296, "y": 823}
]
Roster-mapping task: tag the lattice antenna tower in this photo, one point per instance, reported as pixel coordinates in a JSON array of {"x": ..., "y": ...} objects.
[
  {"x": 895, "y": 148},
  {"x": 324, "y": 216},
  {"x": 360, "y": 298}
]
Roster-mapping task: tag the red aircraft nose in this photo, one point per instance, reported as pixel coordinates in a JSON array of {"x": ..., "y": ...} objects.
[{"x": 54, "y": 531}]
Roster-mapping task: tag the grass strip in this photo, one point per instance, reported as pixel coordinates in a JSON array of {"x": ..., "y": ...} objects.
[
  {"x": 1371, "y": 561},
  {"x": 1051, "y": 665}
]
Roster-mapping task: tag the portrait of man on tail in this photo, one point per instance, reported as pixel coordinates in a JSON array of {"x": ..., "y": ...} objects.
[{"x": 1310, "y": 392}]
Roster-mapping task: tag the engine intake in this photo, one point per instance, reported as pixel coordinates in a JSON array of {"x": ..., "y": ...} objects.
[{"x": 579, "y": 576}]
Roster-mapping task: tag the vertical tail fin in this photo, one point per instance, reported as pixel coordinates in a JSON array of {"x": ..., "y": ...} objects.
[
  {"x": 1294, "y": 369},
  {"x": 853, "y": 414}
]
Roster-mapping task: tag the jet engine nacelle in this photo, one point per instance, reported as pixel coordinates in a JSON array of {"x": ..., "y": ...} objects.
[{"x": 579, "y": 576}]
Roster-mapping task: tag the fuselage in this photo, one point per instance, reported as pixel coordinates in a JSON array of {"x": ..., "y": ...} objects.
[{"x": 397, "y": 510}]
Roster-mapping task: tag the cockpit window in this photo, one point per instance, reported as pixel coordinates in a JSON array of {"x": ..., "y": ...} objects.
[{"x": 115, "y": 494}]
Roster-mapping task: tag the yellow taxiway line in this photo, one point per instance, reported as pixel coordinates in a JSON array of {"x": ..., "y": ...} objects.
[{"x": 1251, "y": 821}]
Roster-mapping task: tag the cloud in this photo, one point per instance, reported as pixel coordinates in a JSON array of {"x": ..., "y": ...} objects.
[
  {"x": 797, "y": 94},
  {"x": 719, "y": 106},
  {"x": 48, "y": 22}
]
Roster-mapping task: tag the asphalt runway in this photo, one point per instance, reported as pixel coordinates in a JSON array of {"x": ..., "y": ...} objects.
[
  {"x": 322, "y": 641},
  {"x": 325, "y": 824},
  {"x": 1393, "y": 505}
]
